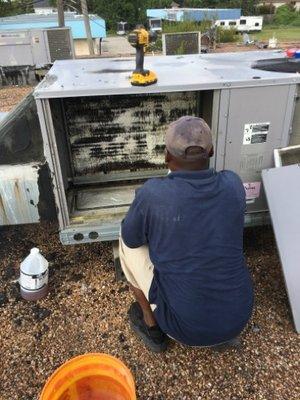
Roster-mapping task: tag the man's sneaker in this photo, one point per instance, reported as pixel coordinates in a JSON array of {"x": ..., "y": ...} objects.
[{"x": 153, "y": 337}]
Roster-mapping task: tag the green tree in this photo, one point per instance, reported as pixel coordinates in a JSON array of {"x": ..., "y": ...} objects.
[
  {"x": 285, "y": 15},
  {"x": 247, "y": 6},
  {"x": 113, "y": 11},
  {"x": 160, "y": 3},
  {"x": 134, "y": 11},
  {"x": 8, "y": 8},
  {"x": 265, "y": 9}
]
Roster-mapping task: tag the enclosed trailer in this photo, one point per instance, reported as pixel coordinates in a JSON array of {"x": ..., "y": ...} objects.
[
  {"x": 243, "y": 24},
  {"x": 35, "y": 47},
  {"x": 250, "y": 24},
  {"x": 103, "y": 137}
]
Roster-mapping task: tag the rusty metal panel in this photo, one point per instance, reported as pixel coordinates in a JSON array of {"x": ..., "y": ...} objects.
[
  {"x": 117, "y": 133},
  {"x": 19, "y": 194}
]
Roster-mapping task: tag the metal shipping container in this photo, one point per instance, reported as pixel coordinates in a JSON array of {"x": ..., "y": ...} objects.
[{"x": 103, "y": 137}]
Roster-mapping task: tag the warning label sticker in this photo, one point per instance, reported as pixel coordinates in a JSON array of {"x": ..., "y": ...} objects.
[
  {"x": 256, "y": 132},
  {"x": 252, "y": 190}
]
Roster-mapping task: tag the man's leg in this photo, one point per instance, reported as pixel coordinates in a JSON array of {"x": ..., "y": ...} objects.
[
  {"x": 138, "y": 270},
  {"x": 145, "y": 306}
]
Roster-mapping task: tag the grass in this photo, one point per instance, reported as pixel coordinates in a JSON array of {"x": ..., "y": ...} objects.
[{"x": 282, "y": 33}]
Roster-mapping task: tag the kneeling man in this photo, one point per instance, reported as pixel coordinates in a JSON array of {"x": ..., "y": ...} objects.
[{"x": 181, "y": 247}]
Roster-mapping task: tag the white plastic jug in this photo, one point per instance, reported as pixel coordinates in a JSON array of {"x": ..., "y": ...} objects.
[
  {"x": 272, "y": 43},
  {"x": 34, "y": 276}
]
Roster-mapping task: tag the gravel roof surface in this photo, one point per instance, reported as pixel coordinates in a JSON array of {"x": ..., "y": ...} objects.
[
  {"x": 10, "y": 96},
  {"x": 86, "y": 312}
]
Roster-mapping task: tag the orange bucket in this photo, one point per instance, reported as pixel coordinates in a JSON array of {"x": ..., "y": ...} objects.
[{"x": 93, "y": 376}]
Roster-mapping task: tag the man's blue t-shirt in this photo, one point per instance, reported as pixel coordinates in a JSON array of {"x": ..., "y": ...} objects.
[{"x": 193, "y": 224}]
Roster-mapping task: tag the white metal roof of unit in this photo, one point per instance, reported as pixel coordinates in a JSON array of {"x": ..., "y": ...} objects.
[{"x": 102, "y": 76}]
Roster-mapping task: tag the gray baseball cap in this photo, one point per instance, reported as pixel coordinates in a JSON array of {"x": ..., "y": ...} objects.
[{"x": 189, "y": 138}]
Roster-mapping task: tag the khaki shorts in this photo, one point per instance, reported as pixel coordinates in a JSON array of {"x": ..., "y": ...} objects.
[
  {"x": 138, "y": 269},
  {"x": 137, "y": 266}
]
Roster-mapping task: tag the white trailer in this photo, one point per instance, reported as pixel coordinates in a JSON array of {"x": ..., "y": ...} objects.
[{"x": 243, "y": 24}]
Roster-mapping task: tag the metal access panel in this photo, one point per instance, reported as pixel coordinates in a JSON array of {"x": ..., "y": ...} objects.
[
  {"x": 282, "y": 186},
  {"x": 252, "y": 125},
  {"x": 181, "y": 43},
  {"x": 15, "y": 48}
]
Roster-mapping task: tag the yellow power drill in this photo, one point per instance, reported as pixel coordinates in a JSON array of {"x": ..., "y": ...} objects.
[{"x": 140, "y": 39}]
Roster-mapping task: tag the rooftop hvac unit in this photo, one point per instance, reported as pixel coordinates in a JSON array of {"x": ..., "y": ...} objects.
[
  {"x": 35, "y": 47},
  {"x": 103, "y": 137}
]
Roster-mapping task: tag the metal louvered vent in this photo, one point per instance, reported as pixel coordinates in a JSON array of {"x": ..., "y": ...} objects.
[
  {"x": 181, "y": 43},
  {"x": 59, "y": 42}
]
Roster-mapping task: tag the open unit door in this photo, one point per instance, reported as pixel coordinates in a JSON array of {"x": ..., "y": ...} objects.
[{"x": 282, "y": 187}]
